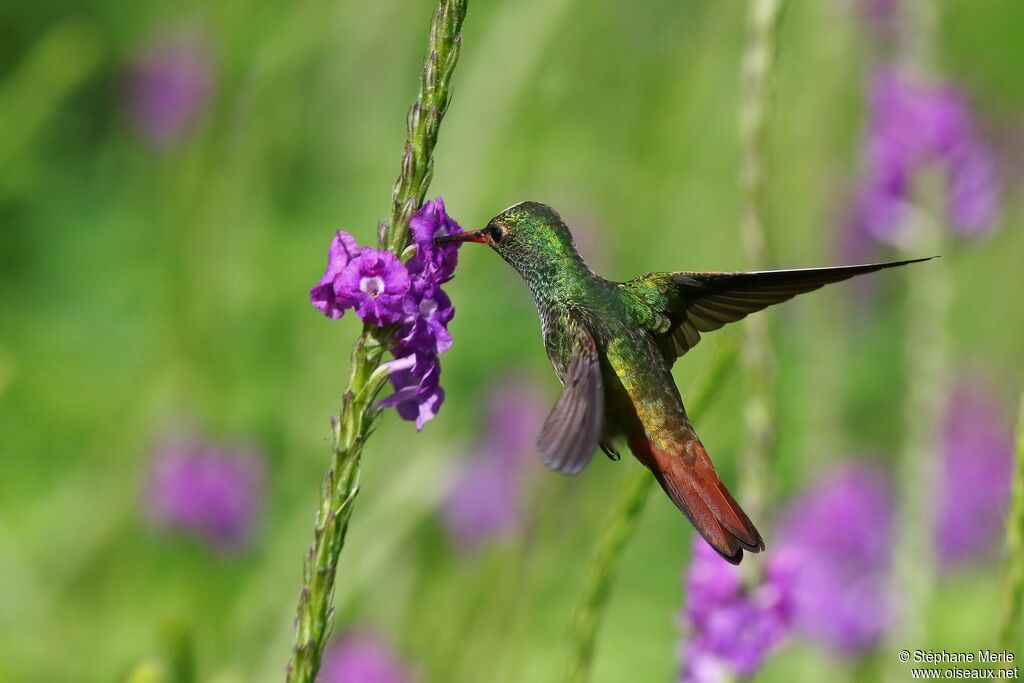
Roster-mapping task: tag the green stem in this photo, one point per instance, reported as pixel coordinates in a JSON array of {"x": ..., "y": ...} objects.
[
  {"x": 1011, "y": 629},
  {"x": 758, "y": 60},
  {"x": 929, "y": 295},
  {"x": 618, "y": 528},
  {"x": 33, "y": 92},
  {"x": 756, "y": 82},
  {"x": 358, "y": 414},
  {"x": 424, "y": 122},
  {"x": 926, "y": 359}
]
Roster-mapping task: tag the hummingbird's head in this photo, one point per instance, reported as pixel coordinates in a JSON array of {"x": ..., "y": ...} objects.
[{"x": 531, "y": 236}]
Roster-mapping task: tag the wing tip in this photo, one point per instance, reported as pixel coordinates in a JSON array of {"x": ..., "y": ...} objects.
[
  {"x": 920, "y": 259},
  {"x": 880, "y": 265},
  {"x": 567, "y": 466}
]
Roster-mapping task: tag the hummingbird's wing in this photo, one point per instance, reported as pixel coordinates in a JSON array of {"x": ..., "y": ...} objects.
[
  {"x": 685, "y": 304},
  {"x": 573, "y": 429}
]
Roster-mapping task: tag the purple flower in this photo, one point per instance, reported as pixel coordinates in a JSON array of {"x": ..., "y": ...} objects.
[
  {"x": 205, "y": 490},
  {"x": 429, "y": 222},
  {"x": 428, "y": 310},
  {"x": 362, "y": 657},
  {"x": 484, "y": 503},
  {"x": 375, "y": 283},
  {"x": 486, "y": 500},
  {"x": 834, "y": 540},
  {"x": 729, "y": 627},
  {"x": 973, "y": 189},
  {"x": 418, "y": 393},
  {"x": 516, "y": 411},
  {"x": 342, "y": 250},
  {"x": 977, "y": 466},
  {"x": 170, "y": 86},
  {"x": 384, "y": 291},
  {"x": 913, "y": 127}
]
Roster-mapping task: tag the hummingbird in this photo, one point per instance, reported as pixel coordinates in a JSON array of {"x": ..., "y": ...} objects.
[{"x": 612, "y": 346}]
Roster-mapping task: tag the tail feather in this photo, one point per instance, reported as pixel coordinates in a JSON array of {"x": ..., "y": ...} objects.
[{"x": 687, "y": 475}]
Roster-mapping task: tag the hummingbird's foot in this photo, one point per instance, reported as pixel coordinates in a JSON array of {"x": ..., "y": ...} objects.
[{"x": 610, "y": 452}]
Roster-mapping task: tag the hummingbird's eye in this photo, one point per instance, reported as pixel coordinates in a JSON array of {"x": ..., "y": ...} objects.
[{"x": 496, "y": 233}]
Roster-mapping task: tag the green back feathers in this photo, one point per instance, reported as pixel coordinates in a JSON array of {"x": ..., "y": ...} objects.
[{"x": 648, "y": 299}]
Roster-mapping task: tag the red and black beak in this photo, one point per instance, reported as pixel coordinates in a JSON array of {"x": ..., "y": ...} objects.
[{"x": 480, "y": 236}]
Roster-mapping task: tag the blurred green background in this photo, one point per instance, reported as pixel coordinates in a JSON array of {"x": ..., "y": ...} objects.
[{"x": 145, "y": 287}]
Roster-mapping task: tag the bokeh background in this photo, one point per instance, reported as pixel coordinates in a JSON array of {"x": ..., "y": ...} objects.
[{"x": 171, "y": 175}]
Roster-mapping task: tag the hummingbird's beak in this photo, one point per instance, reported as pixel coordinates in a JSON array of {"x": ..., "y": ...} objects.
[{"x": 470, "y": 236}]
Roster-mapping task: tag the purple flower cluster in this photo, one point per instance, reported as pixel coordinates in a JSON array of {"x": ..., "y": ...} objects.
[
  {"x": 206, "y": 490},
  {"x": 362, "y": 657},
  {"x": 835, "y": 541},
  {"x": 486, "y": 500},
  {"x": 170, "y": 85},
  {"x": 913, "y": 126},
  {"x": 730, "y": 628},
  {"x": 384, "y": 291},
  {"x": 828, "y": 577},
  {"x": 977, "y": 466}
]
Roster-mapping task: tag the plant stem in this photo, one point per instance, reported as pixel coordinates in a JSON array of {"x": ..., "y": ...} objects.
[
  {"x": 929, "y": 296},
  {"x": 1011, "y": 629},
  {"x": 758, "y": 59},
  {"x": 424, "y": 122},
  {"x": 357, "y": 415},
  {"x": 926, "y": 359},
  {"x": 755, "y": 83},
  {"x": 618, "y": 528},
  {"x": 32, "y": 93}
]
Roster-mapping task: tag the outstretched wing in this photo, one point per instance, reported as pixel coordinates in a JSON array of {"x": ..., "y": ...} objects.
[
  {"x": 573, "y": 429},
  {"x": 685, "y": 304}
]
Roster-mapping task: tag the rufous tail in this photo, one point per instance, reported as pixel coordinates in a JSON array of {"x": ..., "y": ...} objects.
[{"x": 685, "y": 471}]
